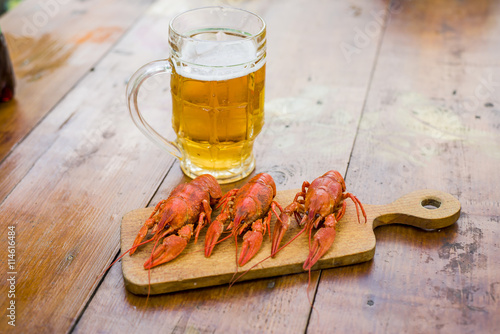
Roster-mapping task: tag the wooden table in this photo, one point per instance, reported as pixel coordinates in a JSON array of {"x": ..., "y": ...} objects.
[{"x": 396, "y": 96}]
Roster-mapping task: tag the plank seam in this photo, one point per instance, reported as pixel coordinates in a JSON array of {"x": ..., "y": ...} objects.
[
  {"x": 368, "y": 89},
  {"x": 370, "y": 81}
]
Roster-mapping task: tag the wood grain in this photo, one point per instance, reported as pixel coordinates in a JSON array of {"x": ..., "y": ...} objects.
[
  {"x": 412, "y": 104},
  {"x": 429, "y": 121},
  {"x": 354, "y": 243},
  {"x": 52, "y": 46},
  {"x": 396, "y": 95},
  {"x": 58, "y": 211},
  {"x": 320, "y": 94}
]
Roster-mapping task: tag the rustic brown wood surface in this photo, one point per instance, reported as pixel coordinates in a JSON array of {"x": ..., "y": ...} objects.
[
  {"x": 431, "y": 120},
  {"x": 354, "y": 243},
  {"x": 302, "y": 101},
  {"x": 53, "y": 46},
  {"x": 397, "y": 95}
]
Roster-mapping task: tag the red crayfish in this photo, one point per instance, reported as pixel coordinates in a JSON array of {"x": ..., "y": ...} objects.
[
  {"x": 321, "y": 201},
  {"x": 248, "y": 208},
  {"x": 189, "y": 204}
]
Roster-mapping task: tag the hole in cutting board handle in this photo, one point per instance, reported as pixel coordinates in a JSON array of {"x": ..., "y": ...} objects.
[
  {"x": 426, "y": 208},
  {"x": 431, "y": 203}
]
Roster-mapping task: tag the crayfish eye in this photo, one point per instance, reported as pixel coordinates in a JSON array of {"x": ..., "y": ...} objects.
[
  {"x": 307, "y": 212},
  {"x": 317, "y": 215}
]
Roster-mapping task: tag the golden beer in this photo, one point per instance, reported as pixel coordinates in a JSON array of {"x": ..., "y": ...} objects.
[
  {"x": 217, "y": 74},
  {"x": 217, "y": 114},
  {"x": 217, "y": 121}
]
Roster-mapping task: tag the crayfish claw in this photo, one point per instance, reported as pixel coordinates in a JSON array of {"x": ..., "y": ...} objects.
[
  {"x": 252, "y": 240},
  {"x": 280, "y": 227},
  {"x": 170, "y": 248},
  {"x": 213, "y": 233},
  {"x": 323, "y": 240},
  {"x": 138, "y": 239}
]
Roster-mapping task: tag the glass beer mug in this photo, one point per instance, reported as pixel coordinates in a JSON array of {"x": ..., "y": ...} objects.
[{"x": 217, "y": 72}]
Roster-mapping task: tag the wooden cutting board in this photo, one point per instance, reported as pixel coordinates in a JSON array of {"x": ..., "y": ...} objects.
[{"x": 354, "y": 243}]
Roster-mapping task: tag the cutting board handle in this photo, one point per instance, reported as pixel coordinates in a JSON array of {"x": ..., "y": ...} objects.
[{"x": 427, "y": 209}]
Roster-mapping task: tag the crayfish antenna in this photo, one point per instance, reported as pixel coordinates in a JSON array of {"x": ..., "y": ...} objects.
[
  {"x": 119, "y": 258},
  {"x": 234, "y": 280}
]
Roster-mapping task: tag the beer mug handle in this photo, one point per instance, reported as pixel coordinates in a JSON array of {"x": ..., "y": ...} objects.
[{"x": 138, "y": 78}]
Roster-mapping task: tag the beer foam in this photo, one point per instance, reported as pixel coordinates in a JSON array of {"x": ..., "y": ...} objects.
[{"x": 211, "y": 60}]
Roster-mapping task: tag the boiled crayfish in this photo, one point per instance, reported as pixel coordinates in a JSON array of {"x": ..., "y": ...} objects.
[
  {"x": 248, "y": 208},
  {"x": 322, "y": 201},
  {"x": 188, "y": 205}
]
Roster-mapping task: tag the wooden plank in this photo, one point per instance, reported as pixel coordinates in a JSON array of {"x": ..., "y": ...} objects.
[
  {"x": 431, "y": 119},
  {"x": 52, "y": 44},
  {"x": 320, "y": 94},
  {"x": 67, "y": 209},
  {"x": 241, "y": 307}
]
